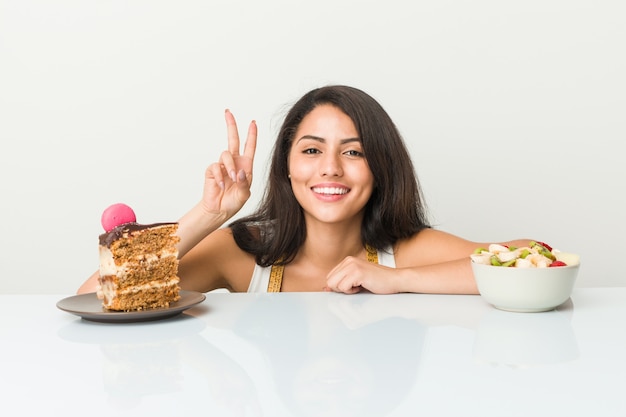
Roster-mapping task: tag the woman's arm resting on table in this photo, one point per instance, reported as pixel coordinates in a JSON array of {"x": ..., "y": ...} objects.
[
  {"x": 432, "y": 262},
  {"x": 354, "y": 275}
]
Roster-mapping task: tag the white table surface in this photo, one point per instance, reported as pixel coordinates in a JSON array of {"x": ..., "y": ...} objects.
[{"x": 319, "y": 354}]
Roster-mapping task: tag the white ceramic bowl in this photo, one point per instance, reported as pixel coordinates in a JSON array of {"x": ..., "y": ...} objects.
[{"x": 527, "y": 289}]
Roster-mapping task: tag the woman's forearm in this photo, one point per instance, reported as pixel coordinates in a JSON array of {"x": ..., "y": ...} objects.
[
  {"x": 452, "y": 277},
  {"x": 195, "y": 226}
]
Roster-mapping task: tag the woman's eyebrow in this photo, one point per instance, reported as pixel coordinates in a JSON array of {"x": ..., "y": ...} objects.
[{"x": 319, "y": 139}]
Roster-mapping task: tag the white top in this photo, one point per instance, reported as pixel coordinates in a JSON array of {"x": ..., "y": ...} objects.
[{"x": 261, "y": 275}]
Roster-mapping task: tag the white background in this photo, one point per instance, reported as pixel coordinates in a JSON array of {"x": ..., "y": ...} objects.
[{"x": 513, "y": 112}]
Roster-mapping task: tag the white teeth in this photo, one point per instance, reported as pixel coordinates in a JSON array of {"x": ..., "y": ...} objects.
[{"x": 330, "y": 190}]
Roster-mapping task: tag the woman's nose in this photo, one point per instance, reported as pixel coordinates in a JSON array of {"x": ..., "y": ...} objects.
[{"x": 331, "y": 165}]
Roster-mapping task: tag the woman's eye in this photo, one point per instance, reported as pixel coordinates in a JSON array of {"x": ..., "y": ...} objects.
[
  {"x": 310, "y": 151},
  {"x": 354, "y": 152}
]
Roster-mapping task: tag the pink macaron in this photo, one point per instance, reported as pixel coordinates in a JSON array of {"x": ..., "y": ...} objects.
[{"x": 117, "y": 215}]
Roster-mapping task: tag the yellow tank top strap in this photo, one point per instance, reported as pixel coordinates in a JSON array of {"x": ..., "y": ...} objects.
[
  {"x": 372, "y": 254},
  {"x": 276, "y": 273},
  {"x": 276, "y": 278}
]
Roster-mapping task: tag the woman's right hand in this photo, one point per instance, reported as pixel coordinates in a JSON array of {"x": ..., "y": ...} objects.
[
  {"x": 227, "y": 182},
  {"x": 226, "y": 189}
]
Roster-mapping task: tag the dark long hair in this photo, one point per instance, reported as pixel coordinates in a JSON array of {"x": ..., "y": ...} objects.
[{"x": 395, "y": 210}]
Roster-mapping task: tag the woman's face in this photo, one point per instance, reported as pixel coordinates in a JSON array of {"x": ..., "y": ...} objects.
[{"x": 329, "y": 174}]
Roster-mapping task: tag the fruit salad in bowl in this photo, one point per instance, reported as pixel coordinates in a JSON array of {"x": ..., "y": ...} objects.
[
  {"x": 535, "y": 255},
  {"x": 533, "y": 278}
]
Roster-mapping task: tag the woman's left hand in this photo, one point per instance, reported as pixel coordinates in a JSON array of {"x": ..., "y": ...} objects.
[{"x": 353, "y": 275}]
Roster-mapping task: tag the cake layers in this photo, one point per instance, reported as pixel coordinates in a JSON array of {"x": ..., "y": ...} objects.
[{"x": 139, "y": 266}]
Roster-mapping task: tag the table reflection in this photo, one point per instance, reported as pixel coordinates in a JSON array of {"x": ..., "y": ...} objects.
[
  {"x": 522, "y": 340},
  {"x": 145, "y": 359},
  {"x": 322, "y": 365},
  {"x": 314, "y": 354}
]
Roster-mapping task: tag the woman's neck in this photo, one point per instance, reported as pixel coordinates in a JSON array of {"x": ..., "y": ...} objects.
[{"x": 331, "y": 243}]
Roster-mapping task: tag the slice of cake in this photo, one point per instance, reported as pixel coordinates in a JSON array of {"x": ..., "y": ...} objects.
[{"x": 138, "y": 262}]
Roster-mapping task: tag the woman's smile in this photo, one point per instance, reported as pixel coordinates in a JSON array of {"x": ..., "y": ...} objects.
[{"x": 330, "y": 192}]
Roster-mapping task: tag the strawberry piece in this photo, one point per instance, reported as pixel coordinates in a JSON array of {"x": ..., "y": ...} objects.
[
  {"x": 545, "y": 245},
  {"x": 557, "y": 263}
]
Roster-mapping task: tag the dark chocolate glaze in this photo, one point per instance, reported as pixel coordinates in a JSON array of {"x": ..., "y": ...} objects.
[{"x": 107, "y": 238}]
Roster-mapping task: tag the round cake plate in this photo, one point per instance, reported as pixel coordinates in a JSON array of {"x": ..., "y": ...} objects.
[{"x": 89, "y": 307}]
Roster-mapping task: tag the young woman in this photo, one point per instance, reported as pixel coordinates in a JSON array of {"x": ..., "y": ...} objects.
[{"x": 342, "y": 211}]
